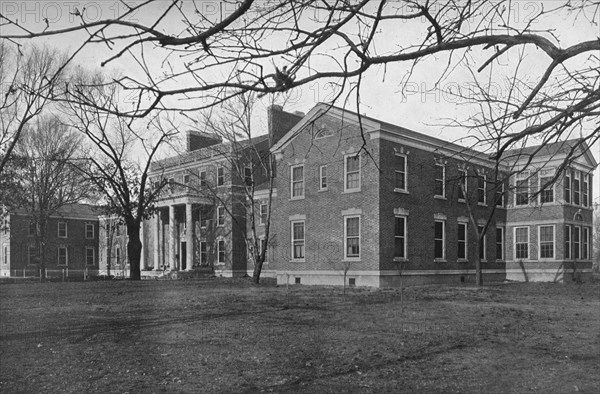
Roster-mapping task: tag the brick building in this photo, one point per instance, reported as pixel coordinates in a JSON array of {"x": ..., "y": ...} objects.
[
  {"x": 377, "y": 207},
  {"x": 72, "y": 242}
]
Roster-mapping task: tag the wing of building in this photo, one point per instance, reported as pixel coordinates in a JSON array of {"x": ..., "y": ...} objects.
[{"x": 372, "y": 202}]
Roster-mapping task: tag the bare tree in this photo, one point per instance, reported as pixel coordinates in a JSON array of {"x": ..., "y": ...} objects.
[
  {"x": 123, "y": 153},
  {"x": 29, "y": 78},
  {"x": 50, "y": 176},
  {"x": 276, "y": 46}
]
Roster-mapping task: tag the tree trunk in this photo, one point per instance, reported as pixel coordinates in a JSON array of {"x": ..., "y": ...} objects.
[
  {"x": 134, "y": 251},
  {"x": 257, "y": 270},
  {"x": 42, "y": 237},
  {"x": 478, "y": 275}
]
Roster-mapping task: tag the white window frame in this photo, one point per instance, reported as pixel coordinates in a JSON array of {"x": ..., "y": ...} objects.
[
  {"x": 66, "y": 264},
  {"x": 262, "y": 219},
  {"x": 543, "y": 174},
  {"x": 66, "y": 233},
  {"x": 88, "y": 248},
  {"x": 93, "y": 231},
  {"x": 577, "y": 190},
  {"x": 405, "y": 238},
  {"x": 585, "y": 190},
  {"x": 322, "y": 178},
  {"x": 443, "y": 239},
  {"x": 568, "y": 242},
  {"x": 294, "y": 181},
  {"x": 358, "y": 256},
  {"x": 299, "y": 240},
  {"x": 442, "y": 180},
  {"x": 220, "y": 176},
  {"x": 466, "y": 241},
  {"x": 220, "y": 216},
  {"x": 585, "y": 243},
  {"x": 479, "y": 189},
  {"x": 502, "y": 196},
  {"x": 483, "y": 245},
  {"x": 528, "y": 243},
  {"x": 346, "y": 173},
  {"x": 567, "y": 187},
  {"x": 539, "y": 245},
  {"x": 203, "y": 253},
  {"x": 405, "y": 173},
  {"x": 501, "y": 243},
  {"x": 463, "y": 175},
  {"x": 519, "y": 178},
  {"x": 576, "y": 253},
  {"x": 221, "y": 249}
]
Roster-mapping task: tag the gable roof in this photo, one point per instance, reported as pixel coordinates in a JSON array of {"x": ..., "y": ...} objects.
[
  {"x": 72, "y": 211},
  {"x": 561, "y": 149}
]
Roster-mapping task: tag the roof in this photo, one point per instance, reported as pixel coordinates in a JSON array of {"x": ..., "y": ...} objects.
[
  {"x": 75, "y": 211},
  {"x": 574, "y": 147}
]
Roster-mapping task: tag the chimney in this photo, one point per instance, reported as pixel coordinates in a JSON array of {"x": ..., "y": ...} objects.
[
  {"x": 197, "y": 140},
  {"x": 280, "y": 122}
]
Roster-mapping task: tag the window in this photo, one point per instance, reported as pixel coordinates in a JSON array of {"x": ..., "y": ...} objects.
[
  {"x": 567, "y": 186},
  {"x": 5, "y": 254},
  {"x": 62, "y": 256},
  {"x": 499, "y": 243},
  {"x": 31, "y": 228},
  {"x": 31, "y": 255},
  {"x": 462, "y": 241},
  {"x": 220, "y": 216},
  {"x": 352, "y": 237},
  {"x": 585, "y": 190},
  {"x": 89, "y": 230},
  {"x": 262, "y": 219},
  {"x": 297, "y": 176},
  {"x": 118, "y": 256},
  {"x": 186, "y": 179},
  {"x": 546, "y": 188},
  {"x": 522, "y": 188},
  {"x": 546, "y": 234},
  {"x": 62, "y": 229},
  {"x": 220, "y": 176},
  {"x": 521, "y": 243},
  {"x": 567, "y": 242},
  {"x": 440, "y": 180},
  {"x": 323, "y": 178},
  {"x": 90, "y": 255},
  {"x": 440, "y": 240},
  {"x": 576, "y": 188},
  {"x": 298, "y": 240},
  {"x": 204, "y": 215},
  {"x": 202, "y": 178},
  {"x": 400, "y": 237},
  {"x": 248, "y": 176},
  {"x": 462, "y": 184},
  {"x": 117, "y": 230},
  {"x": 481, "y": 195},
  {"x": 400, "y": 173},
  {"x": 221, "y": 251},
  {"x": 585, "y": 247},
  {"x": 352, "y": 172},
  {"x": 482, "y": 244},
  {"x": 500, "y": 194},
  {"x": 203, "y": 253},
  {"x": 5, "y": 226},
  {"x": 576, "y": 241}
]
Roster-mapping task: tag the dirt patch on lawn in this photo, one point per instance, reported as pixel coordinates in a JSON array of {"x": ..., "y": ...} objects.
[{"x": 230, "y": 336}]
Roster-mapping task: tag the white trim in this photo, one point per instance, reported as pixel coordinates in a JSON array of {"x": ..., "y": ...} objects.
[
  {"x": 405, "y": 172},
  {"x": 93, "y": 231},
  {"x": 539, "y": 243},
  {"x": 346, "y": 257},
  {"x": 299, "y": 216},
  {"x": 466, "y": 241},
  {"x": 352, "y": 211},
  {"x": 352, "y": 156},
  {"x": 58, "y": 229},
  {"x": 543, "y": 174},
  {"x": 219, "y": 216},
  {"x": 463, "y": 174},
  {"x": 484, "y": 241},
  {"x": 93, "y": 256},
  {"x": 436, "y": 165},
  {"x": 502, "y": 244},
  {"x": 292, "y": 181},
  {"x": 528, "y": 243},
  {"x": 405, "y": 247},
  {"x": 484, "y": 177},
  {"x": 321, "y": 188},
  {"x": 66, "y": 264},
  {"x": 292, "y": 239},
  {"x": 443, "y": 258}
]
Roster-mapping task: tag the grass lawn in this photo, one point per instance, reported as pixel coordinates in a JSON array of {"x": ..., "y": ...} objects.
[{"x": 229, "y": 336}]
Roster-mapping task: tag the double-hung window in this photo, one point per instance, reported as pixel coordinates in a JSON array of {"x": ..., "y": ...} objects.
[
  {"x": 440, "y": 180},
  {"x": 62, "y": 255},
  {"x": 220, "y": 216},
  {"x": 400, "y": 237},
  {"x": 585, "y": 244},
  {"x": 521, "y": 243},
  {"x": 577, "y": 188},
  {"x": 298, "y": 240},
  {"x": 499, "y": 243},
  {"x": 546, "y": 245},
  {"x": 352, "y": 172},
  {"x": 323, "y": 178},
  {"x": 352, "y": 237},
  {"x": 439, "y": 240},
  {"x": 481, "y": 190},
  {"x": 522, "y": 188},
  {"x": 62, "y": 229},
  {"x": 90, "y": 255},
  {"x": 546, "y": 187},
  {"x": 220, "y": 176},
  {"x": 262, "y": 218},
  {"x": 297, "y": 181},
  {"x": 567, "y": 242},
  {"x": 89, "y": 230},
  {"x": 400, "y": 174},
  {"x": 462, "y": 185},
  {"x": 462, "y": 241},
  {"x": 576, "y": 242},
  {"x": 585, "y": 188},
  {"x": 221, "y": 251},
  {"x": 482, "y": 244},
  {"x": 567, "y": 186}
]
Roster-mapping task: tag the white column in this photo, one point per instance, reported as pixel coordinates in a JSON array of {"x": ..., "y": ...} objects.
[
  {"x": 156, "y": 226},
  {"x": 189, "y": 239},
  {"x": 172, "y": 232},
  {"x": 142, "y": 259}
]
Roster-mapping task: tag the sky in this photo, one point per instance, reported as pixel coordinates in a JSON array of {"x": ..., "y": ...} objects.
[{"x": 425, "y": 105}]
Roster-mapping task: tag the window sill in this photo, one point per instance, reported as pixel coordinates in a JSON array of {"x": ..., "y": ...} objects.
[
  {"x": 296, "y": 198},
  {"x": 323, "y": 190},
  {"x": 440, "y": 197},
  {"x": 350, "y": 191},
  {"x": 440, "y": 260},
  {"x": 462, "y": 260},
  {"x": 403, "y": 191},
  {"x": 351, "y": 260},
  {"x": 482, "y": 204},
  {"x": 400, "y": 260},
  {"x": 297, "y": 261}
]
